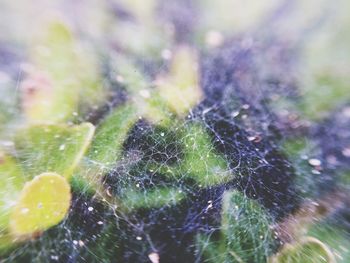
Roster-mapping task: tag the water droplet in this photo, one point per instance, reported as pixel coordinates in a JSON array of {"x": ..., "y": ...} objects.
[
  {"x": 346, "y": 152},
  {"x": 214, "y": 38},
  {"x": 166, "y": 54},
  {"x": 154, "y": 257},
  {"x": 120, "y": 79},
  {"x": 24, "y": 210},
  {"x": 315, "y": 162},
  {"x": 145, "y": 93}
]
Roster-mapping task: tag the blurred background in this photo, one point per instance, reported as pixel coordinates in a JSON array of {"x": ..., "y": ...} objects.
[{"x": 64, "y": 61}]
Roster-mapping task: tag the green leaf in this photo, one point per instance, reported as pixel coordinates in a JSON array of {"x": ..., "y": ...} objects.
[
  {"x": 43, "y": 203},
  {"x": 11, "y": 183},
  {"x": 211, "y": 250},
  {"x": 152, "y": 198},
  {"x": 52, "y": 148},
  {"x": 307, "y": 250},
  {"x": 334, "y": 236},
  {"x": 148, "y": 101},
  {"x": 180, "y": 88},
  {"x": 246, "y": 229},
  {"x": 107, "y": 144},
  {"x": 6, "y": 242},
  {"x": 201, "y": 161},
  {"x": 63, "y": 71}
]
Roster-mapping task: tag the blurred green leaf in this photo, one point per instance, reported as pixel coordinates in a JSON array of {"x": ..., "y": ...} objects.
[
  {"x": 12, "y": 180},
  {"x": 43, "y": 203},
  {"x": 246, "y": 235},
  {"x": 180, "y": 88},
  {"x": 335, "y": 237},
  {"x": 52, "y": 148},
  {"x": 64, "y": 76},
  {"x": 246, "y": 229},
  {"x": 307, "y": 250},
  {"x": 152, "y": 198},
  {"x": 201, "y": 162},
  {"x": 111, "y": 133}
]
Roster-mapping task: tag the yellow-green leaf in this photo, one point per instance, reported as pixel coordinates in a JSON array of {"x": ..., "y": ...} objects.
[
  {"x": 110, "y": 135},
  {"x": 307, "y": 250},
  {"x": 43, "y": 203},
  {"x": 52, "y": 148},
  {"x": 62, "y": 71},
  {"x": 11, "y": 183},
  {"x": 180, "y": 89}
]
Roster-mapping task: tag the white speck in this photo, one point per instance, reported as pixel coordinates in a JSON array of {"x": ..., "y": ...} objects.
[
  {"x": 7, "y": 143},
  {"x": 75, "y": 113},
  {"x": 139, "y": 238},
  {"x": 120, "y": 79},
  {"x": 315, "y": 171},
  {"x": 314, "y": 162},
  {"x": 54, "y": 257},
  {"x": 214, "y": 38},
  {"x": 245, "y": 106},
  {"x": 166, "y": 54},
  {"x": 100, "y": 223},
  {"x": 137, "y": 185},
  {"x": 261, "y": 237},
  {"x": 75, "y": 242},
  {"x": 81, "y": 243},
  {"x": 154, "y": 257},
  {"x": 236, "y": 207},
  {"x": 304, "y": 157},
  {"x": 235, "y": 114},
  {"x": 162, "y": 134},
  {"x": 251, "y": 138},
  {"x": 346, "y": 152},
  {"x": 90, "y": 208},
  {"x": 24, "y": 210},
  {"x": 346, "y": 112},
  {"x": 145, "y": 93},
  {"x": 62, "y": 147}
]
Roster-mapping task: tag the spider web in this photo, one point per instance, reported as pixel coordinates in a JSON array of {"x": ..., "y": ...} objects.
[{"x": 209, "y": 185}]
